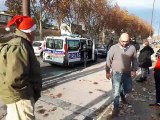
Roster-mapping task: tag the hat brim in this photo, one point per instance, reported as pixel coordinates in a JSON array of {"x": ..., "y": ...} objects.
[{"x": 33, "y": 28}]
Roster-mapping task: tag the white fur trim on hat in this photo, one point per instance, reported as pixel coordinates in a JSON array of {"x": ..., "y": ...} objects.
[
  {"x": 7, "y": 29},
  {"x": 30, "y": 29}
]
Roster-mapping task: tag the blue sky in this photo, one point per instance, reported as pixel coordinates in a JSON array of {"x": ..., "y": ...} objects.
[
  {"x": 142, "y": 9},
  {"x": 2, "y": 6}
]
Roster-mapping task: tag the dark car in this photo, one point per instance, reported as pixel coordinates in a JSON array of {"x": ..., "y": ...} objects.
[{"x": 101, "y": 50}]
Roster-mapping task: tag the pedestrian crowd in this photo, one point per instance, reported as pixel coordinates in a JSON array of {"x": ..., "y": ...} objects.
[{"x": 122, "y": 62}]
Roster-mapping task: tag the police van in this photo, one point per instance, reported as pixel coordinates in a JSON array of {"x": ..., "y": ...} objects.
[{"x": 67, "y": 50}]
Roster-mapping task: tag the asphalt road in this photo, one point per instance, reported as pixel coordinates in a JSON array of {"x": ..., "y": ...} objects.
[{"x": 53, "y": 71}]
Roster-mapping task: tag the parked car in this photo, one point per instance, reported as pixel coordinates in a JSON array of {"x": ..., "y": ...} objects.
[
  {"x": 38, "y": 47},
  {"x": 101, "y": 50}
]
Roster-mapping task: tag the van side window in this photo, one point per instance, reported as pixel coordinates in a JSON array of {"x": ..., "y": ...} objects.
[
  {"x": 54, "y": 43},
  {"x": 73, "y": 45},
  {"x": 90, "y": 44},
  {"x": 49, "y": 43},
  {"x": 58, "y": 44}
]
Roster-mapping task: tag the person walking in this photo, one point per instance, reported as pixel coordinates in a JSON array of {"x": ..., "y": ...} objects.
[
  {"x": 157, "y": 82},
  {"x": 144, "y": 60},
  {"x": 122, "y": 59},
  {"x": 20, "y": 80}
]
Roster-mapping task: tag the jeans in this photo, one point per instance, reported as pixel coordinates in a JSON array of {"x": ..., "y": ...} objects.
[{"x": 122, "y": 84}]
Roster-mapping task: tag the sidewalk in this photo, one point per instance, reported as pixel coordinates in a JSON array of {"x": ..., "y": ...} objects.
[
  {"x": 82, "y": 95},
  {"x": 142, "y": 95}
]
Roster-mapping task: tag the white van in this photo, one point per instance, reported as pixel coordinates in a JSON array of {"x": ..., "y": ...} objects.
[
  {"x": 66, "y": 50},
  {"x": 38, "y": 47}
]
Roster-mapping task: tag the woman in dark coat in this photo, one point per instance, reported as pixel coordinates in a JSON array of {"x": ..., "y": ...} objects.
[{"x": 144, "y": 60}]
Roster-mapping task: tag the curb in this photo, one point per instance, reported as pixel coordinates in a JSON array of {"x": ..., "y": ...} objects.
[{"x": 103, "y": 113}]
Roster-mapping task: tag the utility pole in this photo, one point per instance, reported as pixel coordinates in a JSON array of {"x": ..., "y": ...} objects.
[
  {"x": 40, "y": 21},
  {"x": 152, "y": 17},
  {"x": 26, "y": 7}
]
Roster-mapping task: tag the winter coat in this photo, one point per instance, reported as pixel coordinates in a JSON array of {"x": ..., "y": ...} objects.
[
  {"x": 144, "y": 58},
  {"x": 20, "y": 71}
]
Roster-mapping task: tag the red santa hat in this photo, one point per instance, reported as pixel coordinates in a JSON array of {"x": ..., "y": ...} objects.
[{"x": 23, "y": 23}]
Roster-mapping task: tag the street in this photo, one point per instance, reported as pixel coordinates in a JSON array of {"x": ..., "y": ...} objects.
[{"x": 51, "y": 74}]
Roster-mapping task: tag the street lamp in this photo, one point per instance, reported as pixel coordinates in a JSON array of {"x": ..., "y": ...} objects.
[
  {"x": 152, "y": 17},
  {"x": 40, "y": 21}
]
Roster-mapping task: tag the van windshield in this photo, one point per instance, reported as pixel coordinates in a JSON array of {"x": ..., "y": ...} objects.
[{"x": 54, "y": 43}]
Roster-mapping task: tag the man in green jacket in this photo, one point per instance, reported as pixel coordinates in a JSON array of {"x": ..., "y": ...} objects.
[{"x": 20, "y": 80}]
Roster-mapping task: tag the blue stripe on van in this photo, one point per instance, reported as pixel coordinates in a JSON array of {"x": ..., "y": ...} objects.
[
  {"x": 54, "y": 51},
  {"x": 74, "y": 55}
]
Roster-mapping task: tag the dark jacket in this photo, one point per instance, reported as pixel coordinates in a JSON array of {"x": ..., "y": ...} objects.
[
  {"x": 144, "y": 58},
  {"x": 20, "y": 71}
]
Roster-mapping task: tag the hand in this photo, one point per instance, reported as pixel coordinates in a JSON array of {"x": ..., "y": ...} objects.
[
  {"x": 108, "y": 75},
  {"x": 133, "y": 74}
]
